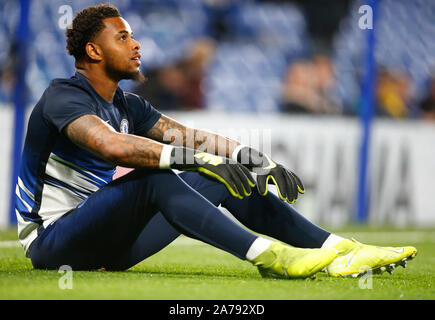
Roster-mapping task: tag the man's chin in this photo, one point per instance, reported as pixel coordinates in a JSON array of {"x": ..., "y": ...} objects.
[{"x": 136, "y": 76}]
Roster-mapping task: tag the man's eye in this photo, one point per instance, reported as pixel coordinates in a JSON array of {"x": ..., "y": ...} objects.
[{"x": 124, "y": 37}]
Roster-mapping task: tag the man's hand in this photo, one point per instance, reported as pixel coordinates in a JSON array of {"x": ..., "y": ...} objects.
[
  {"x": 268, "y": 172},
  {"x": 232, "y": 174}
]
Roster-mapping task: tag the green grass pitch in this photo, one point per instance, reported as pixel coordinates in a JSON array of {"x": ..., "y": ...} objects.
[{"x": 191, "y": 270}]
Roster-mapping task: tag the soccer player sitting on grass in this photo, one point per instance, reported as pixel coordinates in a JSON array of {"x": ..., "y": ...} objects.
[{"x": 71, "y": 212}]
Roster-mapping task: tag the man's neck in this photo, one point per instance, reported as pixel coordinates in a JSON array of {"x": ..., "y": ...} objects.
[{"x": 99, "y": 80}]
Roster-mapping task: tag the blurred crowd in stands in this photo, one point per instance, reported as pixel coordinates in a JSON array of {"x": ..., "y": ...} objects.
[
  {"x": 178, "y": 85},
  {"x": 290, "y": 56}
]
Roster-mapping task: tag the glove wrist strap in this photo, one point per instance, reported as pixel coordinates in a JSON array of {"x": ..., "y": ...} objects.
[
  {"x": 179, "y": 158},
  {"x": 165, "y": 157},
  {"x": 236, "y": 151},
  {"x": 251, "y": 158}
]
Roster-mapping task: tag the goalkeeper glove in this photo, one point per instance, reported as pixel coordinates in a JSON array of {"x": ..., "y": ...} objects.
[
  {"x": 287, "y": 183},
  {"x": 232, "y": 174}
]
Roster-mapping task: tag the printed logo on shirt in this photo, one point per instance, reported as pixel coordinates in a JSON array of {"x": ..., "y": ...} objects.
[{"x": 124, "y": 126}]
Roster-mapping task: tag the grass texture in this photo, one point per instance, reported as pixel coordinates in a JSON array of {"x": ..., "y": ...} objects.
[{"x": 190, "y": 270}]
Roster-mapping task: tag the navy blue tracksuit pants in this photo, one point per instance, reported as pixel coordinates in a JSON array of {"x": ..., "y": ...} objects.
[{"x": 140, "y": 213}]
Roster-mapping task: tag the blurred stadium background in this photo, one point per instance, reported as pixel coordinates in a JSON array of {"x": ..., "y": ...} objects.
[{"x": 350, "y": 109}]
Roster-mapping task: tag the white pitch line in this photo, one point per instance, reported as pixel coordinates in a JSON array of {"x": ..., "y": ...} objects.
[
  {"x": 405, "y": 237},
  {"x": 181, "y": 241},
  {"x": 9, "y": 244},
  {"x": 391, "y": 236},
  {"x": 373, "y": 237}
]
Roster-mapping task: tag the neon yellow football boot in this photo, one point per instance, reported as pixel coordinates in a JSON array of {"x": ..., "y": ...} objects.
[
  {"x": 355, "y": 258},
  {"x": 282, "y": 261}
]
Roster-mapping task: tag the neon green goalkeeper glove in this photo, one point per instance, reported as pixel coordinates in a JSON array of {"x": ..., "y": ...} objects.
[
  {"x": 232, "y": 174},
  {"x": 268, "y": 172}
]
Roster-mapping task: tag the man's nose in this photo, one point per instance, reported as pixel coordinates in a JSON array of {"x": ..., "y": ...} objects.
[{"x": 136, "y": 45}]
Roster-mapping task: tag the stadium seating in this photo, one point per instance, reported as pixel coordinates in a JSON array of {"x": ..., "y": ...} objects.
[
  {"x": 264, "y": 39},
  {"x": 245, "y": 77},
  {"x": 249, "y": 68},
  {"x": 403, "y": 42},
  {"x": 166, "y": 28}
]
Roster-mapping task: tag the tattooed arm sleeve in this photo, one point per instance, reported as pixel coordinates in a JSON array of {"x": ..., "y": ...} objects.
[
  {"x": 170, "y": 131},
  {"x": 93, "y": 134}
]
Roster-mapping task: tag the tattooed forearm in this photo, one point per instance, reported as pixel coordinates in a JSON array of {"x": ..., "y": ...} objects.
[
  {"x": 157, "y": 132},
  {"x": 92, "y": 134},
  {"x": 169, "y": 131},
  {"x": 127, "y": 150},
  {"x": 138, "y": 152}
]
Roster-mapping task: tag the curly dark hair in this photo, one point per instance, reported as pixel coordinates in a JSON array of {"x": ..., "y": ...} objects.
[{"x": 85, "y": 26}]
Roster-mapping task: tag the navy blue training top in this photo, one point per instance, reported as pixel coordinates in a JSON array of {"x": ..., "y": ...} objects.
[{"x": 56, "y": 175}]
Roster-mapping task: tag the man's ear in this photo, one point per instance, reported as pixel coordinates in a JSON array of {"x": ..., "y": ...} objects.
[{"x": 94, "y": 51}]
